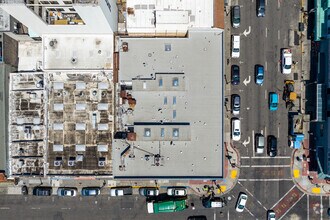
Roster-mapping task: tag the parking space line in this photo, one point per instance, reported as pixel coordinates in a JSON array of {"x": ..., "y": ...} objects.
[
  {"x": 265, "y": 132},
  {"x": 266, "y": 94},
  {"x": 266, "y": 32},
  {"x": 266, "y": 2},
  {"x": 245, "y": 157},
  {"x": 278, "y": 132},
  {"x": 278, "y": 34},
  {"x": 266, "y": 66},
  {"x": 249, "y": 212},
  {"x": 278, "y": 4},
  {"x": 253, "y": 143}
]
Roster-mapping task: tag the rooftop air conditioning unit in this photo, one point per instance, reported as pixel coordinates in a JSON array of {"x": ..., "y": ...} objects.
[
  {"x": 57, "y": 163},
  {"x": 71, "y": 163},
  {"x": 101, "y": 163}
]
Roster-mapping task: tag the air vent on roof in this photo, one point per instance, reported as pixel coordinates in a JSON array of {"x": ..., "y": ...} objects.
[
  {"x": 74, "y": 60},
  {"x": 101, "y": 161},
  {"x": 53, "y": 43},
  {"x": 125, "y": 46},
  {"x": 71, "y": 161}
]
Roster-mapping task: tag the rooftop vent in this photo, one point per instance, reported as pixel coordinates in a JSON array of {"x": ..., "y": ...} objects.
[
  {"x": 71, "y": 161},
  {"x": 101, "y": 161},
  {"x": 58, "y": 161},
  {"x": 53, "y": 43}
]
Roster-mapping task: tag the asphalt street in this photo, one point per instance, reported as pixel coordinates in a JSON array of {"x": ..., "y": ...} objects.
[{"x": 267, "y": 181}]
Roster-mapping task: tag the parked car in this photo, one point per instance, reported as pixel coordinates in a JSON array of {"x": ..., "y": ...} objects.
[
  {"x": 91, "y": 191},
  {"x": 241, "y": 202},
  {"x": 235, "y": 79},
  {"x": 66, "y": 191},
  {"x": 271, "y": 215},
  {"x": 235, "y": 46},
  {"x": 121, "y": 191},
  {"x": 286, "y": 61},
  {"x": 260, "y": 143},
  {"x": 235, "y": 104},
  {"x": 149, "y": 191},
  {"x": 42, "y": 191},
  {"x": 273, "y": 101},
  {"x": 261, "y": 8},
  {"x": 236, "y": 129},
  {"x": 25, "y": 190},
  {"x": 259, "y": 74},
  {"x": 176, "y": 191},
  {"x": 235, "y": 16},
  {"x": 197, "y": 217},
  {"x": 272, "y": 145}
]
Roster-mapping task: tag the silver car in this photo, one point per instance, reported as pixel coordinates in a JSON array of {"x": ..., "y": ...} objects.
[{"x": 69, "y": 192}]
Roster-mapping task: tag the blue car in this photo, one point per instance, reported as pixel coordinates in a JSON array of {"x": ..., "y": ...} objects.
[
  {"x": 90, "y": 191},
  {"x": 259, "y": 72},
  {"x": 273, "y": 101}
]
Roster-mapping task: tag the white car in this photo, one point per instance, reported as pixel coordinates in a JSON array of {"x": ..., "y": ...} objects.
[
  {"x": 236, "y": 129},
  {"x": 235, "y": 47},
  {"x": 116, "y": 192},
  {"x": 176, "y": 191},
  {"x": 286, "y": 61},
  {"x": 241, "y": 202},
  {"x": 69, "y": 192},
  {"x": 271, "y": 215}
]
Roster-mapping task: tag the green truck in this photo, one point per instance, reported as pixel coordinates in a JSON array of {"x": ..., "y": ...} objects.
[{"x": 166, "y": 206}]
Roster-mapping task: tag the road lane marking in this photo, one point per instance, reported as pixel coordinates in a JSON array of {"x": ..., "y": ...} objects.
[
  {"x": 4, "y": 208},
  {"x": 283, "y": 196},
  {"x": 321, "y": 209},
  {"x": 245, "y": 157},
  {"x": 308, "y": 207},
  {"x": 278, "y": 34},
  {"x": 265, "y": 131},
  {"x": 277, "y": 157},
  {"x": 278, "y": 4},
  {"x": 278, "y": 132},
  {"x": 265, "y": 166},
  {"x": 215, "y": 215},
  {"x": 228, "y": 210},
  {"x": 264, "y": 180},
  {"x": 292, "y": 206},
  {"x": 35, "y": 208},
  {"x": 266, "y": 32},
  {"x": 252, "y": 195},
  {"x": 266, "y": 94},
  {"x": 266, "y": 66},
  {"x": 249, "y": 212},
  {"x": 265, "y": 157},
  {"x": 266, "y": 2},
  {"x": 253, "y": 143}
]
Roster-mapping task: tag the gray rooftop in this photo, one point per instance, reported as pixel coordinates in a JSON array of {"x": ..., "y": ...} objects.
[{"x": 177, "y": 118}]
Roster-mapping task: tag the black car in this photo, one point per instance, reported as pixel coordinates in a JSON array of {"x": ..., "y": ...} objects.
[
  {"x": 235, "y": 103},
  {"x": 235, "y": 75},
  {"x": 197, "y": 217},
  {"x": 272, "y": 145},
  {"x": 42, "y": 191}
]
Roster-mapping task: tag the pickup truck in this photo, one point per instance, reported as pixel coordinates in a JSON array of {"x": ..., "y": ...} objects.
[{"x": 121, "y": 191}]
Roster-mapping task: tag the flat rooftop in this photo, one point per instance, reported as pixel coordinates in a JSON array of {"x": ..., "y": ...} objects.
[
  {"x": 168, "y": 17},
  {"x": 73, "y": 51},
  {"x": 171, "y": 106}
]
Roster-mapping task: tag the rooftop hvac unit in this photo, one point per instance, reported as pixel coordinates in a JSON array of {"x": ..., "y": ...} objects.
[
  {"x": 57, "y": 163},
  {"x": 101, "y": 161},
  {"x": 71, "y": 163}
]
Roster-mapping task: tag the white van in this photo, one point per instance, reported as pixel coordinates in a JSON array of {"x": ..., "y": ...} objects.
[
  {"x": 260, "y": 143},
  {"x": 235, "y": 47},
  {"x": 236, "y": 129}
]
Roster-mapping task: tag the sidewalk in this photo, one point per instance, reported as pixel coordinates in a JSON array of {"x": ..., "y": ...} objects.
[{"x": 306, "y": 180}]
